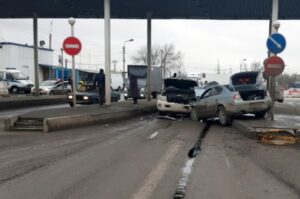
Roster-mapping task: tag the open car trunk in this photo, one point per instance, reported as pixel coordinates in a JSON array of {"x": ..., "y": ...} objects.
[
  {"x": 179, "y": 90},
  {"x": 179, "y": 95},
  {"x": 248, "y": 95},
  {"x": 248, "y": 85}
]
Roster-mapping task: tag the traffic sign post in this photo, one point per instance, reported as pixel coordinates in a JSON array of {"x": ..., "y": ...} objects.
[
  {"x": 72, "y": 46},
  {"x": 276, "y": 43},
  {"x": 274, "y": 66}
]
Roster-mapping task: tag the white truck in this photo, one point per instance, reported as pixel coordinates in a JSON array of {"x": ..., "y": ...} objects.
[
  {"x": 140, "y": 71},
  {"x": 14, "y": 81}
]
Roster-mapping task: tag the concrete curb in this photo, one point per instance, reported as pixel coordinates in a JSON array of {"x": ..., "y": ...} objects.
[
  {"x": 68, "y": 122},
  {"x": 21, "y": 102},
  {"x": 74, "y": 121},
  {"x": 244, "y": 129}
]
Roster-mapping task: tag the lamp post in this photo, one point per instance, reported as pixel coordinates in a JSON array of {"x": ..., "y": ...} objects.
[
  {"x": 72, "y": 22},
  {"x": 130, "y": 40},
  {"x": 241, "y": 66}
]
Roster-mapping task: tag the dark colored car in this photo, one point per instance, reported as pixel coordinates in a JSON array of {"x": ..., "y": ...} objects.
[{"x": 91, "y": 96}]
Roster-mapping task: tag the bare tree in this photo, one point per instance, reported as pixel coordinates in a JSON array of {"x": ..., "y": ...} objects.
[{"x": 164, "y": 56}]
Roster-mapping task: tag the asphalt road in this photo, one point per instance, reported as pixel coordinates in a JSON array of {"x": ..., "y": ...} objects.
[{"x": 144, "y": 158}]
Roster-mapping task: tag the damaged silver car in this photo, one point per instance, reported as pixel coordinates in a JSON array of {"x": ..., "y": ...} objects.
[{"x": 245, "y": 94}]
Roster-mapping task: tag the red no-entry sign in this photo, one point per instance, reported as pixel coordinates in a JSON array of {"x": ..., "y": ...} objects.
[
  {"x": 274, "y": 66},
  {"x": 72, "y": 46}
]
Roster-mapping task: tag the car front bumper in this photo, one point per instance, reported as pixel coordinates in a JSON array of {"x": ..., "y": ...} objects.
[{"x": 173, "y": 107}]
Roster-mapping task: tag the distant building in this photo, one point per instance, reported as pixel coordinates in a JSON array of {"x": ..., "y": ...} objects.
[{"x": 20, "y": 57}]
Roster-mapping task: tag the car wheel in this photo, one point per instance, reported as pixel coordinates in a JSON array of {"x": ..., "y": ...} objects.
[
  {"x": 260, "y": 115},
  {"x": 224, "y": 118},
  {"x": 71, "y": 104},
  {"x": 281, "y": 101},
  {"x": 194, "y": 115},
  {"x": 14, "y": 90},
  {"x": 51, "y": 93}
]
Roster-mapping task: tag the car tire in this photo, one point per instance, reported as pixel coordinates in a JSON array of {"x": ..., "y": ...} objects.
[
  {"x": 194, "y": 115},
  {"x": 260, "y": 115},
  {"x": 125, "y": 98},
  {"x": 280, "y": 101},
  {"x": 224, "y": 118},
  {"x": 71, "y": 104},
  {"x": 51, "y": 93},
  {"x": 14, "y": 90}
]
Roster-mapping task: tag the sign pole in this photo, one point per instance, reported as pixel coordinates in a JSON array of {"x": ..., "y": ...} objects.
[
  {"x": 72, "y": 22},
  {"x": 275, "y": 7}
]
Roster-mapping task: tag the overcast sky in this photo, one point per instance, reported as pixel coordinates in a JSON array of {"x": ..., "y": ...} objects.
[{"x": 202, "y": 42}]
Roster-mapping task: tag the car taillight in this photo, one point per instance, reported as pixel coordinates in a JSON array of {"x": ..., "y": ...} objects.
[{"x": 236, "y": 96}]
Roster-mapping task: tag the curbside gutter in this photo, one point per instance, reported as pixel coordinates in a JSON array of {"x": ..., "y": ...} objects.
[{"x": 30, "y": 101}]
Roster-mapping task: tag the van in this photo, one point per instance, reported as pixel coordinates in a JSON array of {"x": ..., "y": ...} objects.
[{"x": 15, "y": 81}]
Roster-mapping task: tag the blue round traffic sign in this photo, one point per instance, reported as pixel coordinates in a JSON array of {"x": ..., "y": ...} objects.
[{"x": 276, "y": 43}]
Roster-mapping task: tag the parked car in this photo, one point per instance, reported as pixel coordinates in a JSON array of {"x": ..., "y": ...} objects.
[
  {"x": 53, "y": 87},
  {"x": 244, "y": 95},
  {"x": 91, "y": 96},
  {"x": 15, "y": 81},
  {"x": 294, "y": 90},
  {"x": 177, "y": 96}
]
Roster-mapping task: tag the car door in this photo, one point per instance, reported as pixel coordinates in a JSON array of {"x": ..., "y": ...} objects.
[
  {"x": 58, "y": 89},
  {"x": 201, "y": 106},
  {"x": 213, "y": 101}
]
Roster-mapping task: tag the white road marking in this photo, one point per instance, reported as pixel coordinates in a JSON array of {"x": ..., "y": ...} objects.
[
  {"x": 157, "y": 173},
  {"x": 227, "y": 163},
  {"x": 186, "y": 172},
  {"x": 152, "y": 136}
]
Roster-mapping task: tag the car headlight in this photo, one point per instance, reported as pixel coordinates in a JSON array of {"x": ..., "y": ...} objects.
[
  {"x": 70, "y": 96},
  {"x": 125, "y": 94},
  {"x": 162, "y": 98},
  {"x": 85, "y": 97},
  {"x": 142, "y": 95}
]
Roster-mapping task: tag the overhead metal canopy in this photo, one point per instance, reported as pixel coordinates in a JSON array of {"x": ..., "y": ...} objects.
[{"x": 160, "y": 9}]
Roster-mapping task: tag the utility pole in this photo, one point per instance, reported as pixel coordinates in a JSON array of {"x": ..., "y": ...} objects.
[
  {"x": 50, "y": 36},
  {"x": 218, "y": 68},
  {"x": 62, "y": 63},
  {"x": 115, "y": 65}
]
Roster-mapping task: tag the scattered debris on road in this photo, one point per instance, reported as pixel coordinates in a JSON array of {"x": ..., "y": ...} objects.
[
  {"x": 166, "y": 117},
  {"x": 275, "y": 136}
]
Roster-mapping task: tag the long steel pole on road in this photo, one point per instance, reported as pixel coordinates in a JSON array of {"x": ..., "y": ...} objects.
[
  {"x": 149, "y": 57},
  {"x": 36, "y": 58},
  {"x": 107, "y": 51}
]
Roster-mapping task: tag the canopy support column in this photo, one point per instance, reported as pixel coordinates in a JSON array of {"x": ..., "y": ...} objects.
[
  {"x": 149, "y": 27},
  {"x": 107, "y": 51},
  {"x": 35, "y": 54}
]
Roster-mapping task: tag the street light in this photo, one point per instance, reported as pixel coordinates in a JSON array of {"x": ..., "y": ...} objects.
[
  {"x": 276, "y": 25},
  {"x": 130, "y": 40},
  {"x": 241, "y": 67}
]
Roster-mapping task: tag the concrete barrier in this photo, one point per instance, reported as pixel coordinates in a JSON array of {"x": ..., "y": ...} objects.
[
  {"x": 8, "y": 103},
  {"x": 67, "y": 122}
]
